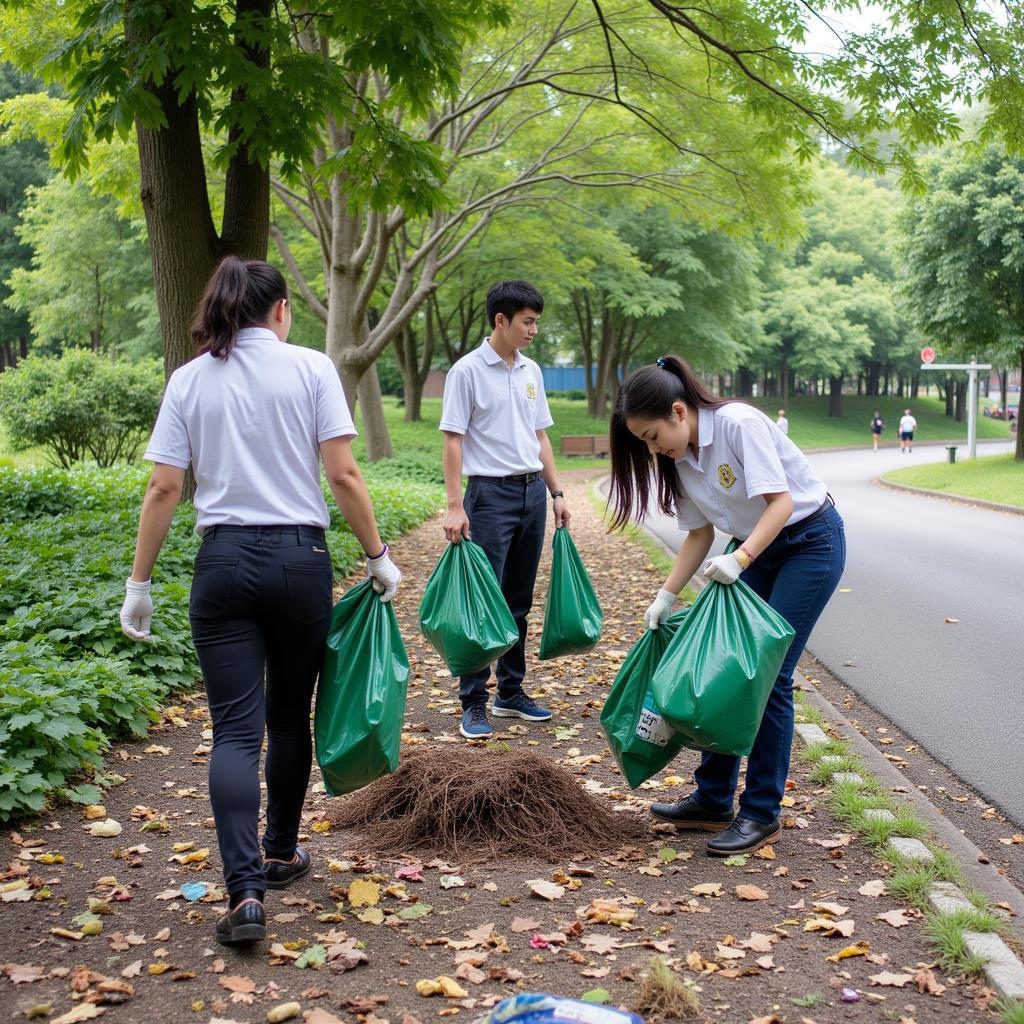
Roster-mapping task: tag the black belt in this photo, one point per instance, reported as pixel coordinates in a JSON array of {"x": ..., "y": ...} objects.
[
  {"x": 518, "y": 478},
  {"x": 301, "y": 532},
  {"x": 816, "y": 514}
]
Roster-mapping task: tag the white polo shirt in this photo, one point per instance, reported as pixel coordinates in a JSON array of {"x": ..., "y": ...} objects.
[
  {"x": 250, "y": 425},
  {"x": 741, "y": 455},
  {"x": 497, "y": 410},
  {"x": 907, "y": 424}
]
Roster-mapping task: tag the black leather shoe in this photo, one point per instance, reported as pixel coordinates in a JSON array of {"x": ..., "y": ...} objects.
[
  {"x": 744, "y": 836},
  {"x": 246, "y": 922},
  {"x": 690, "y": 814},
  {"x": 281, "y": 874}
]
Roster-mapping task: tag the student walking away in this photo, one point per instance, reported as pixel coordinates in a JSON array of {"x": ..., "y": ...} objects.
[
  {"x": 254, "y": 416},
  {"x": 782, "y": 423},
  {"x": 725, "y": 465},
  {"x": 877, "y": 426},
  {"x": 907, "y": 427},
  {"x": 495, "y": 418}
]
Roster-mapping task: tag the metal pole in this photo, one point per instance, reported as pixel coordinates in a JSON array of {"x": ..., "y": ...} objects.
[{"x": 972, "y": 408}]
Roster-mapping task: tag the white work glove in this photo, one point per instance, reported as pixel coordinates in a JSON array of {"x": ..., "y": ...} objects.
[
  {"x": 137, "y": 610},
  {"x": 660, "y": 609},
  {"x": 723, "y": 569},
  {"x": 385, "y": 574}
]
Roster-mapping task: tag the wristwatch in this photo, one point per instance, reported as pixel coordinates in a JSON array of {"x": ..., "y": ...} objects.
[{"x": 557, "y": 494}]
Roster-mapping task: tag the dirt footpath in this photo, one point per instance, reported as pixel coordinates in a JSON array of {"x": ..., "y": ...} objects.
[{"x": 353, "y": 939}]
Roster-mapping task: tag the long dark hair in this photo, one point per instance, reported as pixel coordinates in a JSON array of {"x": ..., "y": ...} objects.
[
  {"x": 649, "y": 393},
  {"x": 240, "y": 293}
]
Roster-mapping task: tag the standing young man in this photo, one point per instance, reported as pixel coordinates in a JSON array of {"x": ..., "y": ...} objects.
[
  {"x": 907, "y": 427},
  {"x": 495, "y": 418}
]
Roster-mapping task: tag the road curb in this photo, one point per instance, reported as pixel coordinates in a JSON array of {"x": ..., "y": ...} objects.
[
  {"x": 983, "y": 877},
  {"x": 959, "y": 499}
]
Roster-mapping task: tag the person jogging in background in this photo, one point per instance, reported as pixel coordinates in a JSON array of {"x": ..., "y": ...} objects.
[
  {"x": 254, "y": 416},
  {"x": 782, "y": 423},
  {"x": 877, "y": 426},
  {"x": 907, "y": 427},
  {"x": 726, "y": 465},
  {"x": 495, "y": 417}
]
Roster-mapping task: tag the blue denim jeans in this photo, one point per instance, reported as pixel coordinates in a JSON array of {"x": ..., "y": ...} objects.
[
  {"x": 796, "y": 574},
  {"x": 507, "y": 520}
]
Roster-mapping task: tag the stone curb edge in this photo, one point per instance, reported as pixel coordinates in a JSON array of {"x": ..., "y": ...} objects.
[
  {"x": 959, "y": 499},
  {"x": 1003, "y": 969},
  {"x": 983, "y": 877}
]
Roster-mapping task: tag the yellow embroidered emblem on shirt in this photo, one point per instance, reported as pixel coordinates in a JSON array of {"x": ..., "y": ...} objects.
[
  {"x": 726, "y": 477},
  {"x": 531, "y": 391}
]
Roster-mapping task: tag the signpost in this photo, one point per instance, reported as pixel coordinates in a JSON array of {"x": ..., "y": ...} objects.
[{"x": 972, "y": 368}]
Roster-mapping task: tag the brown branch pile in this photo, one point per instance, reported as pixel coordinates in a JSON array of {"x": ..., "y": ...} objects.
[{"x": 470, "y": 804}]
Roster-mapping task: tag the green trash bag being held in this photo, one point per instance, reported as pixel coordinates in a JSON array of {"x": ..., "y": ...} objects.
[
  {"x": 639, "y": 737},
  {"x": 713, "y": 682},
  {"x": 360, "y": 699},
  {"x": 463, "y": 612},
  {"x": 572, "y": 615}
]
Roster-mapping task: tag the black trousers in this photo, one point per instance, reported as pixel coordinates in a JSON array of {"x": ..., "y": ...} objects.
[
  {"x": 507, "y": 520},
  {"x": 259, "y": 608}
]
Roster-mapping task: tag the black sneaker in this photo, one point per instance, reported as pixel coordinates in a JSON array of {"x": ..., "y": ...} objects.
[
  {"x": 245, "y": 923},
  {"x": 690, "y": 814},
  {"x": 744, "y": 836},
  {"x": 281, "y": 874}
]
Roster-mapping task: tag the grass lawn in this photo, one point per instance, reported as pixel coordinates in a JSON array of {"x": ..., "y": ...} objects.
[
  {"x": 809, "y": 426},
  {"x": 993, "y": 478}
]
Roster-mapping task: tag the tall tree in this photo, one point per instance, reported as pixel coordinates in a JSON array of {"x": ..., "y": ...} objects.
[
  {"x": 173, "y": 69},
  {"x": 23, "y": 164},
  {"x": 539, "y": 117},
  {"x": 963, "y": 247},
  {"x": 89, "y": 282}
]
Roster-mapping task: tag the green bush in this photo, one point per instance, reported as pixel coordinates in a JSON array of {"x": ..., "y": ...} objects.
[
  {"x": 80, "y": 405},
  {"x": 56, "y": 717},
  {"x": 70, "y": 681}
]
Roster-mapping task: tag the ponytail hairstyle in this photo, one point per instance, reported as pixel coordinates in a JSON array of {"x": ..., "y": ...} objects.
[
  {"x": 240, "y": 293},
  {"x": 649, "y": 393}
]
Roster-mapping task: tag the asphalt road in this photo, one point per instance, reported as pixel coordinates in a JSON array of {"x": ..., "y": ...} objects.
[{"x": 912, "y": 562}]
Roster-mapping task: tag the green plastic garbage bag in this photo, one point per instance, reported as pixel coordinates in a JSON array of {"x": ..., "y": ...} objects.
[
  {"x": 639, "y": 737},
  {"x": 360, "y": 699},
  {"x": 713, "y": 682},
  {"x": 572, "y": 616},
  {"x": 463, "y": 612}
]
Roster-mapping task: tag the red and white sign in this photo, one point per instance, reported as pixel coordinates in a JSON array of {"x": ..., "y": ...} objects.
[{"x": 927, "y": 355}]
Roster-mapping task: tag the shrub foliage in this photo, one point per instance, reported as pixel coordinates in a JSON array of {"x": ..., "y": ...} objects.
[{"x": 80, "y": 405}]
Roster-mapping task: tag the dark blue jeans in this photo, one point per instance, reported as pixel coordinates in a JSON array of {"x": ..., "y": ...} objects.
[
  {"x": 796, "y": 574},
  {"x": 260, "y": 608},
  {"x": 507, "y": 520}
]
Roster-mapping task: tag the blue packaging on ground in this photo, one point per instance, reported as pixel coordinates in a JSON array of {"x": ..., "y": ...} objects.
[{"x": 541, "y": 1009}]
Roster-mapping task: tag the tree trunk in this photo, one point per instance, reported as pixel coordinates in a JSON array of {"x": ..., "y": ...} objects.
[
  {"x": 1004, "y": 383},
  {"x": 606, "y": 363},
  {"x": 949, "y": 396},
  {"x": 784, "y": 378},
  {"x": 961, "y": 394},
  {"x": 835, "y": 397},
  {"x": 366, "y": 389},
  {"x": 744, "y": 382}
]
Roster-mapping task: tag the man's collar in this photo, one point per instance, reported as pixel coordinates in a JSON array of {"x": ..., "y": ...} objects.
[{"x": 492, "y": 357}]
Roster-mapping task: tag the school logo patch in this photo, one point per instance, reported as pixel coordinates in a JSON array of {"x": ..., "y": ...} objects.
[
  {"x": 531, "y": 391},
  {"x": 726, "y": 477}
]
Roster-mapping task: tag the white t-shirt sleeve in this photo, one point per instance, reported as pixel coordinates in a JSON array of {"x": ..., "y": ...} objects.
[
  {"x": 333, "y": 418},
  {"x": 762, "y": 467},
  {"x": 542, "y": 418},
  {"x": 457, "y": 403},
  {"x": 169, "y": 444},
  {"x": 688, "y": 516}
]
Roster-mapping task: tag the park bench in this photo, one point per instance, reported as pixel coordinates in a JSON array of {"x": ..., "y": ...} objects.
[{"x": 593, "y": 445}]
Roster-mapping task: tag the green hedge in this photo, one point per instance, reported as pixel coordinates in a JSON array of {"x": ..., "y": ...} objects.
[{"x": 70, "y": 681}]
